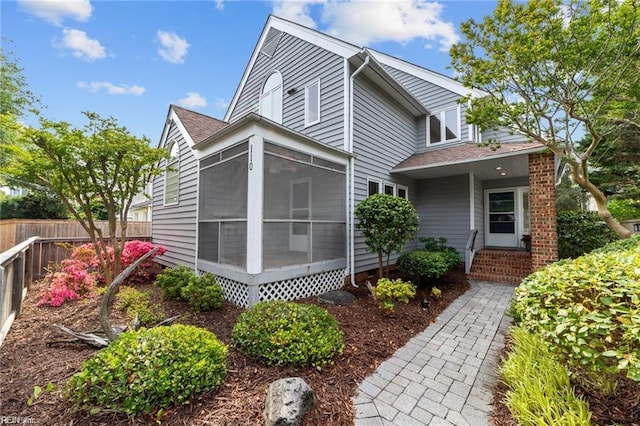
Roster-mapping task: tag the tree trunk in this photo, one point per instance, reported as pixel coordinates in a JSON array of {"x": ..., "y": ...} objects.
[
  {"x": 111, "y": 290},
  {"x": 380, "y": 265},
  {"x": 601, "y": 202}
]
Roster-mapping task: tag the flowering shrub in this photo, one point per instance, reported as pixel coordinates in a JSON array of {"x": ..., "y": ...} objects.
[
  {"x": 76, "y": 278},
  {"x": 133, "y": 250},
  {"x": 70, "y": 281}
]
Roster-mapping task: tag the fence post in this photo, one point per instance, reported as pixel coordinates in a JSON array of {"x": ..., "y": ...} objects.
[{"x": 18, "y": 284}]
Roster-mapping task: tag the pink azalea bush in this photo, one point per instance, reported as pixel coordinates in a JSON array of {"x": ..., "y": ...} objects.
[
  {"x": 78, "y": 276},
  {"x": 70, "y": 281}
]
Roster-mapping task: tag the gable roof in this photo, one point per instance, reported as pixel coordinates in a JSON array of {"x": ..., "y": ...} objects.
[
  {"x": 197, "y": 125},
  {"x": 347, "y": 51}
]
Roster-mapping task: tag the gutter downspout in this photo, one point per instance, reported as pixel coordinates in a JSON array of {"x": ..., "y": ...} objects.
[{"x": 352, "y": 162}]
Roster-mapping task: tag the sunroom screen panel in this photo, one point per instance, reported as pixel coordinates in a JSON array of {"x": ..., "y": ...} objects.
[{"x": 223, "y": 190}]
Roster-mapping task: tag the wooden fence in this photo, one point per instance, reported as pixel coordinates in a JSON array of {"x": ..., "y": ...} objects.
[
  {"x": 15, "y": 278},
  {"x": 14, "y": 231}
]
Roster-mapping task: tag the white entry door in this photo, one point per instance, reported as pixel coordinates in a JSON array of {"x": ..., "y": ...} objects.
[
  {"x": 300, "y": 210},
  {"x": 506, "y": 216}
]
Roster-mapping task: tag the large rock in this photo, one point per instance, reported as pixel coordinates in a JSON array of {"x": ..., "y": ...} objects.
[
  {"x": 337, "y": 297},
  {"x": 288, "y": 400}
]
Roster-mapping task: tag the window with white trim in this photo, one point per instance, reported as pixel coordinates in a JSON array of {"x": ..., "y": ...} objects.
[
  {"x": 312, "y": 103},
  {"x": 444, "y": 126},
  {"x": 403, "y": 192},
  {"x": 389, "y": 189},
  {"x": 172, "y": 175},
  {"x": 373, "y": 187},
  {"x": 271, "y": 98}
]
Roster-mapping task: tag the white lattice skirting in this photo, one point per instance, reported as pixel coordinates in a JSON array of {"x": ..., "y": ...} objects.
[{"x": 290, "y": 289}]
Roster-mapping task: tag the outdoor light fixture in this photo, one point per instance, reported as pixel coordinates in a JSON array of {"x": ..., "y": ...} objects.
[
  {"x": 425, "y": 304},
  {"x": 498, "y": 167},
  {"x": 292, "y": 91},
  {"x": 503, "y": 174}
]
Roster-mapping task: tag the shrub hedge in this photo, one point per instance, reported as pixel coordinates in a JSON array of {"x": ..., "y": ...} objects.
[
  {"x": 580, "y": 233},
  {"x": 150, "y": 369},
  {"x": 588, "y": 309},
  {"x": 279, "y": 332}
]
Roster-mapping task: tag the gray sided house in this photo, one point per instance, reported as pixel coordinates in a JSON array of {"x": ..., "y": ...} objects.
[{"x": 264, "y": 199}]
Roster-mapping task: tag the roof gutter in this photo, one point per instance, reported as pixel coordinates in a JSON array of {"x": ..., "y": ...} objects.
[{"x": 352, "y": 162}]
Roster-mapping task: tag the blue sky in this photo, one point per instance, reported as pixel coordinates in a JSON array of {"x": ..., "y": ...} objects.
[{"x": 131, "y": 59}]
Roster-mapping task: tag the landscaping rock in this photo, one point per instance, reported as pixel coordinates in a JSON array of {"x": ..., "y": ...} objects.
[
  {"x": 288, "y": 400},
  {"x": 337, "y": 297}
]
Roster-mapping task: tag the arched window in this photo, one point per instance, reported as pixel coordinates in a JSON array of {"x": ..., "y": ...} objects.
[
  {"x": 271, "y": 98},
  {"x": 172, "y": 175}
]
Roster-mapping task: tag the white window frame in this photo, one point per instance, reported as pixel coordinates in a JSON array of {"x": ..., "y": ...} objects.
[
  {"x": 443, "y": 126},
  {"x": 267, "y": 97},
  {"x": 307, "y": 110},
  {"x": 172, "y": 162},
  {"x": 389, "y": 185},
  {"x": 403, "y": 188},
  {"x": 377, "y": 181}
]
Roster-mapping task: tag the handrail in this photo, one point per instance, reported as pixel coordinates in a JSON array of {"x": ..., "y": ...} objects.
[
  {"x": 470, "y": 250},
  {"x": 8, "y": 255}
]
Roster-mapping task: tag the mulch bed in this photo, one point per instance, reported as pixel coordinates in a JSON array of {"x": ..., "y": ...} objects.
[{"x": 370, "y": 337}]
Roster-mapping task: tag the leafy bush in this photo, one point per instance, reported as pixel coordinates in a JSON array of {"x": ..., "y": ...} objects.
[
  {"x": 436, "y": 292},
  {"x": 580, "y": 233},
  {"x": 433, "y": 261},
  {"x": 589, "y": 310},
  {"x": 626, "y": 244},
  {"x": 624, "y": 209},
  {"x": 204, "y": 293},
  {"x": 387, "y": 292},
  {"x": 172, "y": 280},
  {"x": 387, "y": 223},
  {"x": 136, "y": 302},
  {"x": 539, "y": 389},
  {"x": 147, "y": 370},
  {"x": 68, "y": 281},
  {"x": 281, "y": 332}
]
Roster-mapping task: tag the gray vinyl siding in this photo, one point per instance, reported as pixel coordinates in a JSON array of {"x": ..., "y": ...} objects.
[
  {"x": 174, "y": 226},
  {"x": 503, "y": 135},
  {"x": 384, "y": 134},
  {"x": 435, "y": 98},
  {"x": 300, "y": 63},
  {"x": 443, "y": 206},
  {"x": 506, "y": 183}
]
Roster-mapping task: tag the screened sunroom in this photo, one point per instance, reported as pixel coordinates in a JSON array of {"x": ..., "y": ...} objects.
[{"x": 271, "y": 213}]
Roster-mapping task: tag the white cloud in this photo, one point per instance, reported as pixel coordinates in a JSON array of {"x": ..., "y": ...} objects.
[
  {"x": 221, "y": 104},
  {"x": 112, "y": 89},
  {"x": 173, "y": 48},
  {"x": 192, "y": 100},
  {"x": 81, "y": 45},
  {"x": 55, "y": 11},
  {"x": 367, "y": 22},
  {"x": 296, "y": 10},
  {"x": 219, "y": 4}
]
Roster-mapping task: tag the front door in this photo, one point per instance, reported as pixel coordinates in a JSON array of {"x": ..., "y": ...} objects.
[
  {"x": 506, "y": 216},
  {"x": 300, "y": 210}
]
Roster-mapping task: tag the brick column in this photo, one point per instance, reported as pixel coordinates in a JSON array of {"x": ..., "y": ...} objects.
[{"x": 542, "y": 205}]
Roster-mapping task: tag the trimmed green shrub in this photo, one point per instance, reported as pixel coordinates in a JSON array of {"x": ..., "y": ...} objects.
[
  {"x": 433, "y": 261},
  {"x": 172, "y": 280},
  {"x": 626, "y": 244},
  {"x": 150, "y": 369},
  {"x": 624, "y": 209},
  {"x": 279, "y": 332},
  {"x": 135, "y": 302},
  {"x": 588, "y": 309},
  {"x": 387, "y": 292},
  {"x": 580, "y": 233},
  {"x": 203, "y": 294},
  {"x": 539, "y": 389}
]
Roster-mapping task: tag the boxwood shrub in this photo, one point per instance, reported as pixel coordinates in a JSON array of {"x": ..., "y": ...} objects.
[
  {"x": 172, "y": 280},
  {"x": 433, "y": 261},
  {"x": 204, "y": 293},
  {"x": 279, "y": 332},
  {"x": 589, "y": 310},
  {"x": 150, "y": 369}
]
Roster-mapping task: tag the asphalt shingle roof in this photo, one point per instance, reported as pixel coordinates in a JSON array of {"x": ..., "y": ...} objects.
[{"x": 199, "y": 126}]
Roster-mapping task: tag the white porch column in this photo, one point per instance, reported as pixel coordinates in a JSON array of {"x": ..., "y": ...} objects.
[{"x": 255, "y": 194}]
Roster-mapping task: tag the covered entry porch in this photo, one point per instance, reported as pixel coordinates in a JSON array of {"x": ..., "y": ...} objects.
[{"x": 489, "y": 202}]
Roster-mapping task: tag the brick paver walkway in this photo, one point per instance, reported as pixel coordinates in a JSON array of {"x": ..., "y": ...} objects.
[{"x": 446, "y": 374}]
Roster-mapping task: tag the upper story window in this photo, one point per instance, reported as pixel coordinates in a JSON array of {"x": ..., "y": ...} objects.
[
  {"x": 444, "y": 126},
  {"x": 373, "y": 187},
  {"x": 271, "y": 98},
  {"x": 312, "y": 103},
  {"x": 172, "y": 175}
]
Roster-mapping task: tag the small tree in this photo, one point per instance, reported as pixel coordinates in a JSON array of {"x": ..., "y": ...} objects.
[
  {"x": 554, "y": 71},
  {"x": 387, "y": 223},
  {"x": 102, "y": 162}
]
